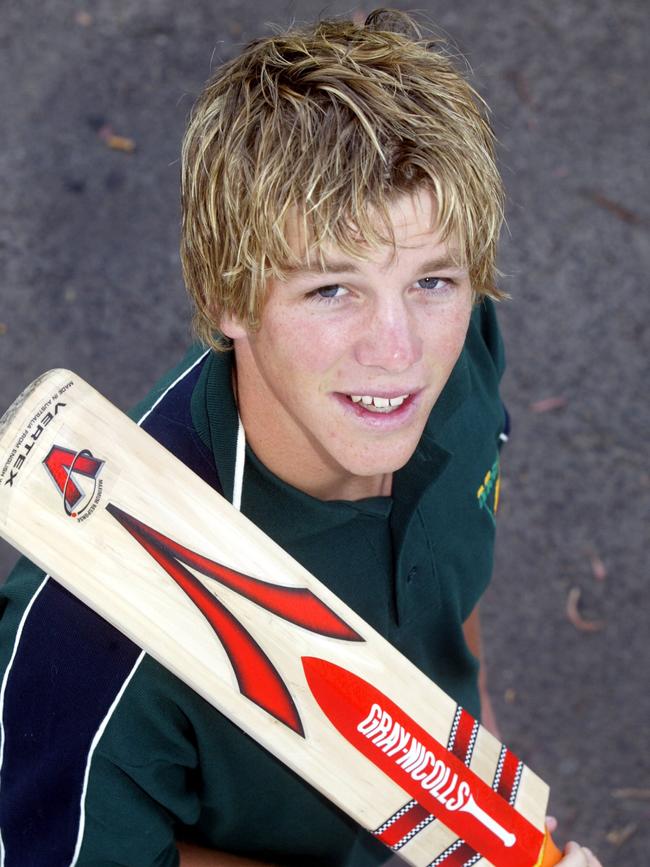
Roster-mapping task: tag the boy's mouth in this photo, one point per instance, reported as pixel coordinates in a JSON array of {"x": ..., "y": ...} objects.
[{"x": 373, "y": 403}]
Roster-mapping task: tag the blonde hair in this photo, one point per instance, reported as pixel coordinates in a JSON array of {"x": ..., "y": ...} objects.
[{"x": 332, "y": 123}]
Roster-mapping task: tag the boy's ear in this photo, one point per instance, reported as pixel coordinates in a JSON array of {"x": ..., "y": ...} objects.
[{"x": 231, "y": 326}]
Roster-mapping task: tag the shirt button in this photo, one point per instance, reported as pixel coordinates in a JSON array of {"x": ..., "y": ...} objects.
[{"x": 411, "y": 574}]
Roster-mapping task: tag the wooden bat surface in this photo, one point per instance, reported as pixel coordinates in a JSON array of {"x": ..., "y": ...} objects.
[{"x": 131, "y": 531}]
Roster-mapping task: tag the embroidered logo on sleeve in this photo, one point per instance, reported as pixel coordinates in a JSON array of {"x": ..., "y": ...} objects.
[{"x": 488, "y": 492}]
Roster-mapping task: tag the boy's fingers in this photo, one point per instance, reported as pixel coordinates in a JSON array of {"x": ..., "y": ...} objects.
[
  {"x": 551, "y": 823},
  {"x": 579, "y": 856}
]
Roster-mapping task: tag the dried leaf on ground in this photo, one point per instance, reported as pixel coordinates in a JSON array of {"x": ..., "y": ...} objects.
[
  {"x": 83, "y": 18},
  {"x": 574, "y": 616},
  {"x": 598, "y": 568},
  {"x": 618, "y": 836},
  {"x": 121, "y": 143},
  {"x": 620, "y": 211},
  {"x": 548, "y": 404},
  {"x": 631, "y": 794},
  {"x": 115, "y": 142},
  {"x": 3, "y": 328},
  {"x": 521, "y": 84}
]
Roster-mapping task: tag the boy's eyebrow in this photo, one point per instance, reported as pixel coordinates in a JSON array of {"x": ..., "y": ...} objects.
[
  {"x": 333, "y": 266},
  {"x": 345, "y": 266}
]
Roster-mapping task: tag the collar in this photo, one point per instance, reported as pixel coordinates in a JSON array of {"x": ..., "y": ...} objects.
[{"x": 215, "y": 416}]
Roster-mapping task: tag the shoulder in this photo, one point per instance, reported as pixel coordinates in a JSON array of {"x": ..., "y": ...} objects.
[
  {"x": 183, "y": 374},
  {"x": 168, "y": 413}
]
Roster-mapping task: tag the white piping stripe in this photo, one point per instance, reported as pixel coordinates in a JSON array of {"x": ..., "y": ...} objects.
[
  {"x": 98, "y": 736},
  {"x": 240, "y": 460},
  {"x": 174, "y": 383}
]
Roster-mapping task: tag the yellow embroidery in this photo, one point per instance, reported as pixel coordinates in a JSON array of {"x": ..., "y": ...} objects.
[{"x": 488, "y": 493}]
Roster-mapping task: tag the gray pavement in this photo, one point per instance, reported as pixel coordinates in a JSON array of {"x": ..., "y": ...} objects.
[{"x": 90, "y": 279}]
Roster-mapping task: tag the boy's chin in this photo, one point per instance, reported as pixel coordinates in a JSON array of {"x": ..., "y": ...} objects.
[{"x": 376, "y": 466}]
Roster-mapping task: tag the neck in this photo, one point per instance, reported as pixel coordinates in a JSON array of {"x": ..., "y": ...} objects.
[
  {"x": 303, "y": 465},
  {"x": 318, "y": 479},
  {"x": 351, "y": 488}
]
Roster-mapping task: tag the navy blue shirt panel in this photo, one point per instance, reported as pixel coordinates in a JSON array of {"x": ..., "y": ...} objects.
[
  {"x": 171, "y": 424},
  {"x": 66, "y": 673}
]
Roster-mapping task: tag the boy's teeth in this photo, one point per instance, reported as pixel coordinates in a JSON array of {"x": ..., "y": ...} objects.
[{"x": 382, "y": 404}]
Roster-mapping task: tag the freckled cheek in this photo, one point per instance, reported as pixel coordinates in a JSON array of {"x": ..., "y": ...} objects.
[
  {"x": 306, "y": 350},
  {"x": 445, "y": 336}
]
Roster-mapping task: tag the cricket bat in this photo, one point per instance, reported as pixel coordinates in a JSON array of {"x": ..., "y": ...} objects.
[{"x": 138, "y": 537}]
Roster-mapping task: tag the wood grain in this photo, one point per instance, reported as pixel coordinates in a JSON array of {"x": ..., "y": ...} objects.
[{"x": 106, "y": 563}]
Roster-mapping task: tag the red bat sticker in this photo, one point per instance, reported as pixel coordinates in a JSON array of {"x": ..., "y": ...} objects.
[
  {"x": 436, "y": 778},
  {"x": 65, "y": 466}
]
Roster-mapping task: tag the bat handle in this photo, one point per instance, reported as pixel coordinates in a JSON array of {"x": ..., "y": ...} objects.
[{"x": 550, "y": 854}]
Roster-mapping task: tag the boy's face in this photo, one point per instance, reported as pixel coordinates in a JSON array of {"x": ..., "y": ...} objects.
[{"x": 336, "y": 385}]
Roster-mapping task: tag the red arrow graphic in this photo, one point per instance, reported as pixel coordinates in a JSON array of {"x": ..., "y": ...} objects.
[{"x": 257, "y": 677}]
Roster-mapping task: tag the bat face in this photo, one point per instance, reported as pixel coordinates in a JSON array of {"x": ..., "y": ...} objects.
[{"x": 84, "y": 491}]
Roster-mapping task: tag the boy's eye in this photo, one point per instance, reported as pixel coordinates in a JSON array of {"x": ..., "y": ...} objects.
[
  {"x": 433, "y": 283},
  {"x": 328, "y": 293}
]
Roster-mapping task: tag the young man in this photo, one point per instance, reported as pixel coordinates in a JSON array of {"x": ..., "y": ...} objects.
[{"x": 341, "y": 212}]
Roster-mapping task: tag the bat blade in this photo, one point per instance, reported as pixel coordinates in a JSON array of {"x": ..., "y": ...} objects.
[{"x": 131, "y": 531}]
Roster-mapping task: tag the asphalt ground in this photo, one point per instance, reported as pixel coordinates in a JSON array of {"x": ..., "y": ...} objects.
[{"x": 90, "y": 279}]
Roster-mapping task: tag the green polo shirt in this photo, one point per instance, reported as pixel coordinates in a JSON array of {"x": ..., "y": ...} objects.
[{"x": 414, "y": 565}]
